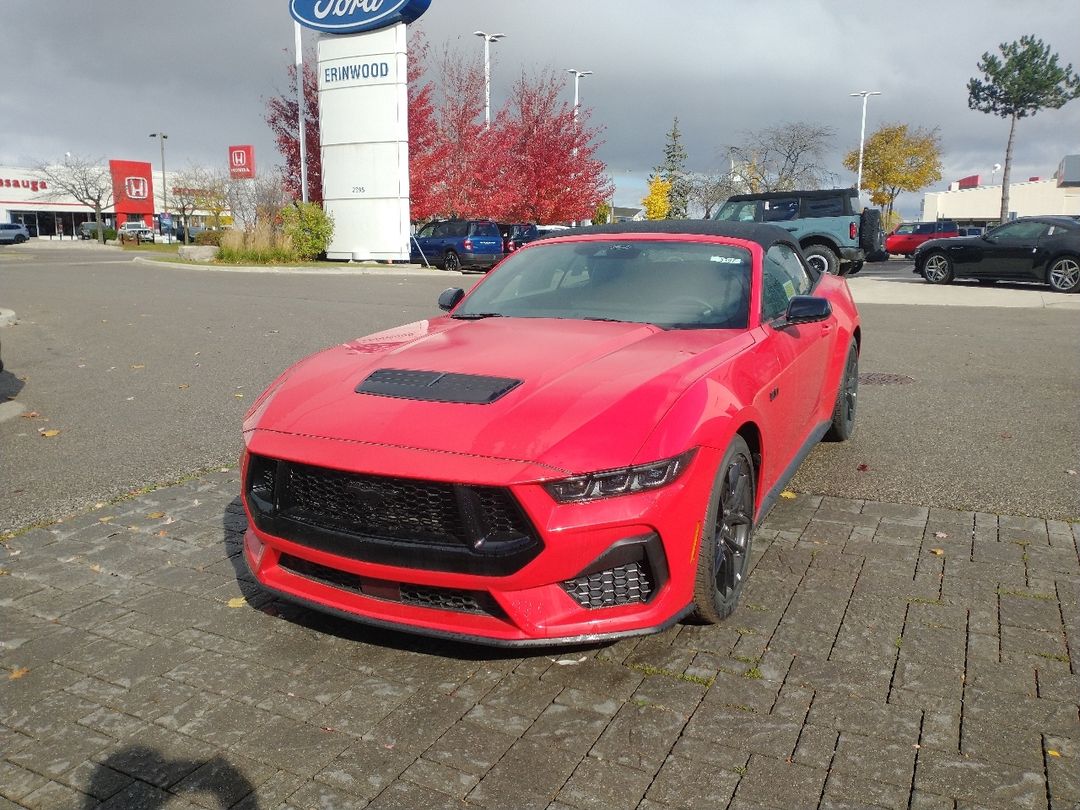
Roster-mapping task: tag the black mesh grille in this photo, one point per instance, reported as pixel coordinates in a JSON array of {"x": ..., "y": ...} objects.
[
  {"x": 626, "y": 584},
  {"x": 434, "y": 525},
  {"x": 381, "y": 507},
  {"x": 475, "y": 602}
]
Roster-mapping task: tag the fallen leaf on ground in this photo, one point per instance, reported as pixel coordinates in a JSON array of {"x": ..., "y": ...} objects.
[
  {"x": 863, "y": 467},
  {"x": 1053, "y": 753},
  {"x": 156, "y": 515},
  {"x": 31, "y": 415},
  {"x": 138, "y": 365},
  {"x": 569, "y": 662},
  {"x": 18, "y": 672},
  {"x": 1072, "y": 472},
  {"x": 183, "y": 386},
  {"x": 105, "y": 519},
  {"x": 788, "y": 494},
  {"x": 4, "y": 572},
  {"x": 48, "y": 434},
  {"x": 937, "y": 552},
  {"x": 238, "y": 396},
  {"x": 237, "y": 602},
  {"x": 95, "y": 568},
  {"x": 940, "y": 535},
  {"x": 162, "y": 533}
]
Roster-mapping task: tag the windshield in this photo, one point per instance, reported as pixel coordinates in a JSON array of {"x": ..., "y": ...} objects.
[
  {"x": 744, "y": 211},
  {"x": 678, "y": 285}
]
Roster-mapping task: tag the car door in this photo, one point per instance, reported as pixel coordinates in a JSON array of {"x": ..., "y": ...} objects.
[
  {"x": 1011, "y": 250},
  {"x": 793, "y": 398}
]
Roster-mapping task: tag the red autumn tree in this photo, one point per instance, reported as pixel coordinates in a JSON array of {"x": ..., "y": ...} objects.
[
  {"x": 283, "y": 121},
  {"x": 551, "y": 156},
  {"x": 534, "y": 163}
]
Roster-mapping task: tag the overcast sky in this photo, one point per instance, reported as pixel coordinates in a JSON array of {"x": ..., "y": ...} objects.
[{"x": 94, "y": 78}]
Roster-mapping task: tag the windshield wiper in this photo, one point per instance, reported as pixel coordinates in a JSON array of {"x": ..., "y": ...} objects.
[
  {"x": 476, "y": 316},
  {"x": 607, "y": 320}
]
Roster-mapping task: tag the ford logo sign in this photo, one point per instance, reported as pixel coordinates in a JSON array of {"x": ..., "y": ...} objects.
[{"x": 355, "y": 16}]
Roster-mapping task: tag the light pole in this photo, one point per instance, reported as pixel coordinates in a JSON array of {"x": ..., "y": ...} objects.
[
  {"x": 162, "y": 137},
  {"x": 862, "y": 134},
  {"x": 577, "y": 74},
  {"x": 488, "y": 39},
  {"x": 301, "y": 106}
]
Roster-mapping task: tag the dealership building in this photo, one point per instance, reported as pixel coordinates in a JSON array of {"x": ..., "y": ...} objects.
[
  {"x": 969, "y": 202},
  {"x": 27, "y": 198}
]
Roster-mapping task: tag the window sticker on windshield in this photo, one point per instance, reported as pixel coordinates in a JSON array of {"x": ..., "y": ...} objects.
[
  {"x": 725, "y": 260},
  {"x": 789, "y": 289}
]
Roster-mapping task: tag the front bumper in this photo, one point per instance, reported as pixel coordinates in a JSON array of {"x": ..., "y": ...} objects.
[{"x": 610, "y": 568}]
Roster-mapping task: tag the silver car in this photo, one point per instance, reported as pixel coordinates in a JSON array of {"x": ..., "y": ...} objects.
[{"x": 13, "y": 232}]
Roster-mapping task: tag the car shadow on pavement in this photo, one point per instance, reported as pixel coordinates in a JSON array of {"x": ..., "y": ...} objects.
[
  {"x": 10, "y": 386},
  {"x": 216, "y": 777},
  {"x": 234, "y": 524}
]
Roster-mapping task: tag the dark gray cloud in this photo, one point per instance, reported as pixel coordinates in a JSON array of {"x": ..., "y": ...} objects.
[{"x": 96, "y": 78}]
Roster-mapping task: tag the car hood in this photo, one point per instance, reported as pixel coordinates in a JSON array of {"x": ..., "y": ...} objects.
[{"x": 590, "y": 392}]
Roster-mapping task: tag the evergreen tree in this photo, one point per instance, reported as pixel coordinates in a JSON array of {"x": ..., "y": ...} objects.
[
  {"x": 673, "y": 171},
  {"x": 1025, "y": 80}
]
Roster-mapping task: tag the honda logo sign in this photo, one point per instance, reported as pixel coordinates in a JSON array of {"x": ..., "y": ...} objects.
[
  {"x": 136, "y": 188},
  {"x": 241, "y": 162}
]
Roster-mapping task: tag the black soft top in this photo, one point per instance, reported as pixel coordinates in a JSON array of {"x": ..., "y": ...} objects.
[
  {"x": 764, "y": 235},
  {"x": 816, "y": 194}
]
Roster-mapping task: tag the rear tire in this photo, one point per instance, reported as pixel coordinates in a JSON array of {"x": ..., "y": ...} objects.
[
  {"x": 451, "y": 262},
  {"x": 822, "y": 259},
  {"x": 20, "y": 239},
  {"x": 847, "y": 398},
  {"x": 1064, "y": 275},
  {"x": 726, "y": 536}
]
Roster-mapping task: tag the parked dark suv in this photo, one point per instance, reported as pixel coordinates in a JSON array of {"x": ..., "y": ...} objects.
[
  {"x": 834, "y": 230},
  {"x": 457, "y": 244},
  {"x": 517, "y": 234}
]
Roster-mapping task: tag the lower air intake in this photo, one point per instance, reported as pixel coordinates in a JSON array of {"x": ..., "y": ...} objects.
[{"x": 627, "y": 584}]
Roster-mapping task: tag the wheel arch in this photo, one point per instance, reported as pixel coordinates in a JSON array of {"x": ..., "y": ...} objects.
[{"x": 823, "y": 241}]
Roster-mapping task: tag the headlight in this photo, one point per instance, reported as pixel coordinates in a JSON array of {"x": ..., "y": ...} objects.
[{"x": 624, "y": 481}]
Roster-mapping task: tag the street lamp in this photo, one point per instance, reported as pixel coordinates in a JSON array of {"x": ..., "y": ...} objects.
[
  {"x": 862, "y": 134},
  {"x": 488, "y": 39},
  {"x": 162, "y": 137},
  {"x": 577, "y": 74}
]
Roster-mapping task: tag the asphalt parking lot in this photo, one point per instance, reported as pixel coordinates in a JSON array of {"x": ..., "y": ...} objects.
[{"x": 908, "y": 636}]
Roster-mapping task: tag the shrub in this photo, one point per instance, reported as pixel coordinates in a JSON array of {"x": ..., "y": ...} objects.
[
  {"x": 209, "y": 238},
  {"x": 309, "y": 228}
]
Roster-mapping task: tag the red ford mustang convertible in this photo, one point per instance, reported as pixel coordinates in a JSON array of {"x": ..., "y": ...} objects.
[{"x": 580, "y": 450}]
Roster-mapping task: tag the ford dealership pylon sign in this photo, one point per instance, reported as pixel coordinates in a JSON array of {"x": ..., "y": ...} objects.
[{"x": 355, "y": 16}]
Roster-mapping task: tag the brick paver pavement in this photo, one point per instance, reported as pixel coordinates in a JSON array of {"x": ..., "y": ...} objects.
[{"x": 883, "y": 655}]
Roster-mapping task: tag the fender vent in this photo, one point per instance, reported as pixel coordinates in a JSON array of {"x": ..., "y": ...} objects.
[{"x": 437, "y": 386}]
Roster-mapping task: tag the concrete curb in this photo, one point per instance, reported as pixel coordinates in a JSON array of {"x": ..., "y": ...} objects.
[
  {"x": 7, "y": 317},
  {"x": 345, "y": 270}
]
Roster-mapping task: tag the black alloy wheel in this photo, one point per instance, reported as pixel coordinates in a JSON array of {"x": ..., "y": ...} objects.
[
  {"x": 726, "y": 536},
  {"x": 847, "y": 399},
  {"x": 1064, "y": 274},
  {"x": 938, "y": 268},
  {"x": 451, "y": 261}
]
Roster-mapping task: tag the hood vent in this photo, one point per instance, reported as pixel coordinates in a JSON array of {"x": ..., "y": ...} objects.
[{"x": 436, "y": 386}]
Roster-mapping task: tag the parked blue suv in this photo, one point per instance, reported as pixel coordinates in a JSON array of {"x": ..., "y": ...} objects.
[{"x": 458, "y": 244}]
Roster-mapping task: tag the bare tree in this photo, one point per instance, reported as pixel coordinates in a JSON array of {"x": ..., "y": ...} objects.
[
  {"x": 184, "y": 196},
  {"x": 257, "y": 201},
  {"x": 708, "y": 190},
  {"x": 784, "y": 157},
  {"x": 82, "y": 179},
  {"x": 213, "y": 192}
]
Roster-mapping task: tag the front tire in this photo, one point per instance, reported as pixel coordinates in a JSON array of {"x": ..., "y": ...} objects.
[
  {"x": 20, "y": 239},
  {"x": 938, "y": 269},
  {"x": 1064, "y": 275},
  {"x": 847, "y": 398},
  {"x": 726, "y": 536},
  {"x": 822, "y": 259},
  {"x": 452, "y": 262}
]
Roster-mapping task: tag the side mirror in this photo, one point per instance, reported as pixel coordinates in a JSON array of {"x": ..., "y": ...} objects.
[
  {"x": 807, "y": 309},
  {"x": 448, "y": 299}
]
